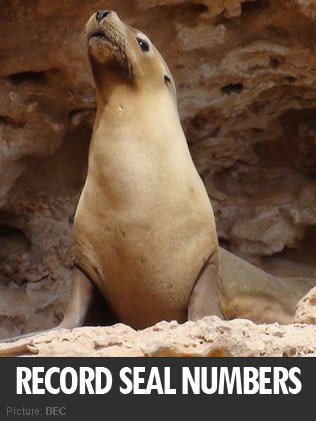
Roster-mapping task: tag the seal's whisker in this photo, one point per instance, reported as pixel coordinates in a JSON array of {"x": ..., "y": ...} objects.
[{"x": 84, "y": 36}]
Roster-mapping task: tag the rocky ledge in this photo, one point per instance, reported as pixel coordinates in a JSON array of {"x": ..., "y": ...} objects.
[{"x": 210, "y": 337}]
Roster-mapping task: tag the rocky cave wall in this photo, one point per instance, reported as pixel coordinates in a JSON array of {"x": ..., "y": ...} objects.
[{"x": 246, "y": 79}]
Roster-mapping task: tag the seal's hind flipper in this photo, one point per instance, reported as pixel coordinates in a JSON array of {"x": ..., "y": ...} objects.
[{"x": 248, "y": 292}]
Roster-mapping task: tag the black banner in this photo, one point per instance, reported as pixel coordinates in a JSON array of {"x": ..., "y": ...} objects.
[{"x": 98, "y": 388}]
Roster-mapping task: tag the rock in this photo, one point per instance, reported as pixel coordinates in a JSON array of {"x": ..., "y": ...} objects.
[
  {"x": 210, "y": 337},
  {"x": 245, "y": 79},
  {"x": 306, "y": 308}
]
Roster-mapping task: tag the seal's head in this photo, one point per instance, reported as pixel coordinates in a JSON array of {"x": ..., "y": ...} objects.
[{"x": 121, "y": 54}]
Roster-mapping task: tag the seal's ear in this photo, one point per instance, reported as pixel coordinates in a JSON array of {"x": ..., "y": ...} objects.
[
  {"x": 169, "y": 85},
  {"x": 167, "y": 79}
]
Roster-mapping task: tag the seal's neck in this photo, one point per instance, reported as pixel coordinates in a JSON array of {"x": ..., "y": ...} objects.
[{"x": 127, "y": 106}]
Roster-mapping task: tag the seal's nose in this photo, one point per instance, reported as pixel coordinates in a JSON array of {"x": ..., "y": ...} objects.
[{"x": 101, "y": 15}]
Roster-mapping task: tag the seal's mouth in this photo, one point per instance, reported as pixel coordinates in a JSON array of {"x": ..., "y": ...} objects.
[
  {"x": 108, "y": 39},
  {"x": 99, "y": 34}
]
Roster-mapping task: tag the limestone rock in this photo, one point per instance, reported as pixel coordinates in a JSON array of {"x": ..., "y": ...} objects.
[
  {"x": 210, "y": 337},
  {"x": 306, "y": 308}
]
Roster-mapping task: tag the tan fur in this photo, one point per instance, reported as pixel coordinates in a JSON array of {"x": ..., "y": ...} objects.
[{"x": 144, "y": 226}]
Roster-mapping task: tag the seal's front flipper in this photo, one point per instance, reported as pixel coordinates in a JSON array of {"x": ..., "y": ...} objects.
[
  {"x": 17, "y": 350},
  {"x": 204, "y": 299},
  {"x": 81, "y": 294}
]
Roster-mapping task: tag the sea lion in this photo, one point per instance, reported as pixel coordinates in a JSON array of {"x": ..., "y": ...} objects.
[{"x": 144, "y": 227}]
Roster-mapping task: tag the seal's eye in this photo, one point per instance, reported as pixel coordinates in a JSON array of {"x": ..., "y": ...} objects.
[
  {"x": 143, "y": 44},
  {"x": 167, "y": 79}
]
